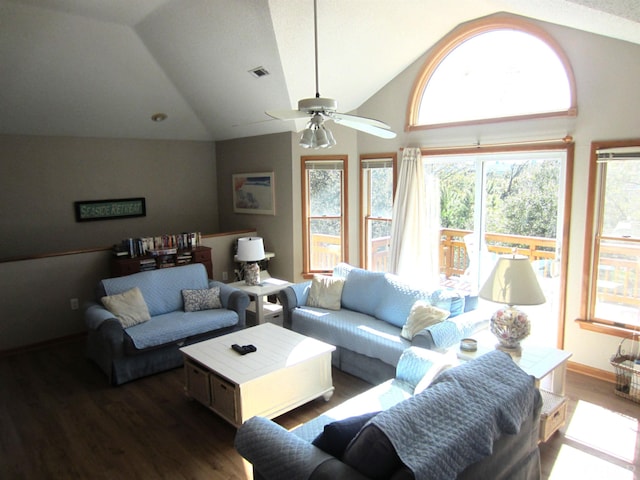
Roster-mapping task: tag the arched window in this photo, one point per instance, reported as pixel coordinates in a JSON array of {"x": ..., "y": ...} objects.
[{"x": 497, "y": 68}]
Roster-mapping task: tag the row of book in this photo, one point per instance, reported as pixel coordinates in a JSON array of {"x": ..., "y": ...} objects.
[{"x": 160, "y": 245}]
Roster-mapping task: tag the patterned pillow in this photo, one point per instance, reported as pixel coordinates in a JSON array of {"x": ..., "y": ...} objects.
[
  {"x": 128, "y": 307},
  {"x": 205, "y": 299}
]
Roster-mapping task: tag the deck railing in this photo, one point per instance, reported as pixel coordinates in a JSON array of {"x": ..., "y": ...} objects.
[
  {"x": 454, "y": 259},
  {"x": 619, "y": 276}
]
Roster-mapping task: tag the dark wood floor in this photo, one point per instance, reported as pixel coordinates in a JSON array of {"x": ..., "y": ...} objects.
[{"x": 60, "y": 419}]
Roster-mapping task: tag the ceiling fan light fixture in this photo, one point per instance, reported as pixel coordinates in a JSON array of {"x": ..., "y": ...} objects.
[
  {"x": 321, "y": 138},
  {"x": 308, "y": 138}
]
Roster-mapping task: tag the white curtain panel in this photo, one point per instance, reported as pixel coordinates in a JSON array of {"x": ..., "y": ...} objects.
[{"x": 415, "y": 223}]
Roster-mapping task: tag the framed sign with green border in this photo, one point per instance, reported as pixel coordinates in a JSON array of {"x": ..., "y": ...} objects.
[{"x": 91, "y": 210}]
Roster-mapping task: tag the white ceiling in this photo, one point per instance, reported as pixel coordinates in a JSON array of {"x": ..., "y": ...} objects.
[{"x": 101, "y": 68}]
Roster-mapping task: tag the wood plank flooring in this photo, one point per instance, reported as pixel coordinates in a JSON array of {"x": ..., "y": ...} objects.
[{"x": 60, "y": 420}]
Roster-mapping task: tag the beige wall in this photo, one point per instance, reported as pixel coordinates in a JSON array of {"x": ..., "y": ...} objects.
[
  {"x": 267, "y": 153},
  {"x": 41, "y": 177}
]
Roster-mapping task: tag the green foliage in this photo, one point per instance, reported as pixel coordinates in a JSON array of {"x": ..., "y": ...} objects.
[{"x": 521, "y": 197}]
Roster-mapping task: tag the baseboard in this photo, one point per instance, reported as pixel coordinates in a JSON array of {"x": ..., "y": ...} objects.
[
  {"x": 41, "y": 345},
  {"x": 591, "y": 372}
]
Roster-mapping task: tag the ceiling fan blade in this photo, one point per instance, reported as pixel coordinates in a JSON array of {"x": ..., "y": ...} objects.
[
  {"x": 287, "y": 114},
  {"x": 366, "y": 125},
  {"x": 339, "y": 117}
]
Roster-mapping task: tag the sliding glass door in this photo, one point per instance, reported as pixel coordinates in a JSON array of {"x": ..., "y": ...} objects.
[{"x": 493, "y": 204}]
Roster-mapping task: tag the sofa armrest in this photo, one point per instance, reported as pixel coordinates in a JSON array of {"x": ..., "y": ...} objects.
[
  {"x": 275, "y": 452},
  {"x": 95, "y": 314},
  {"x": 291, "y": 297},
  {"x": 233, "y": 299}
]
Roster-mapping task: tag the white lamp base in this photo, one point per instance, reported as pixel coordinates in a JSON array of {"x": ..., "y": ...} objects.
[
  {"x": 252, "y": 273},
  {"x": 510, "y": 326}
]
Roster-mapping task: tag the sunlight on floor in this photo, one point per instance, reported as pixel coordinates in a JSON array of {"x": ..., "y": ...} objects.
[
  {"x": 599, "y": 443},
  {"x": 575, "y": 463},
  {"x": 606, "y": 431}
]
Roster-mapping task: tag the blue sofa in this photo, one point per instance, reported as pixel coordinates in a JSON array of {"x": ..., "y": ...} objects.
[
  {"x": 476, "y": 421},
  {"x": 127, "y": 353},
  {"x": 374, "y": 307}
]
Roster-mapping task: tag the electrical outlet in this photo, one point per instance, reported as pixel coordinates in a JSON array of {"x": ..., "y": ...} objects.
[
  {"x": 225, "y": 276},
  {"x": 75, "y": 304}
]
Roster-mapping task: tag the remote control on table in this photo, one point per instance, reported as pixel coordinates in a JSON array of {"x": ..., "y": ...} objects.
[{"x": 244, "y": 349}]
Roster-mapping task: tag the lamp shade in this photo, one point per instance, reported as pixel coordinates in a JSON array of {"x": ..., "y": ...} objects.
[
  {"x": 513, "y": 282},
  {"x": 250, "y": 249}
]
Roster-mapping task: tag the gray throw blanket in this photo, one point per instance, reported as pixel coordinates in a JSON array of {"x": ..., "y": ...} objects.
[{"x": 455, "y": 421}]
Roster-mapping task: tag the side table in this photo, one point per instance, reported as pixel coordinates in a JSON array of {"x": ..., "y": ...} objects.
[
  {"x": 269, "y": 286},
  {"x": 547, "y": 365}
]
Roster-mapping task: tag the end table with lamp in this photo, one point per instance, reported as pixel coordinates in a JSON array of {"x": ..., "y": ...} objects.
[
  {"x": 268, "y": 286},
  {"x": 513, "y": 282}
]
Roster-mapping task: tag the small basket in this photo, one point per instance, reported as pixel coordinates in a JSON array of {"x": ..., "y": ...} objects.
[{"x": 627, "y": 370}]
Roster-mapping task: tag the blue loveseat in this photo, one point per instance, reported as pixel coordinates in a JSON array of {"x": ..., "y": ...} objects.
[
  {"x": 367, "y": 327},
  {"x": 125, "y": 353}
]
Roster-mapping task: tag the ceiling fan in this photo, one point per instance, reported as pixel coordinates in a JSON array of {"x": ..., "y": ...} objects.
[{"x": 319, "y": 109}]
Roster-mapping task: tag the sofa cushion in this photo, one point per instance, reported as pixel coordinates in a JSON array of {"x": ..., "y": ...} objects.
[
  {"x": 161, "y": 289},
  {"x": 372, "y": 454},
  {"x": 201, "y": 299},
  {"x": 354, "y": 331},
  {"x": 363, "y": 290},
  {"x": 336, "y": 435},
  {"x": 176, "y": 326},
  {"x": 128, "y": 307},
  {"x": 325, "y": 292},
  {"x": 396, "y": 300},
  {"x": 421, "y": 316}
]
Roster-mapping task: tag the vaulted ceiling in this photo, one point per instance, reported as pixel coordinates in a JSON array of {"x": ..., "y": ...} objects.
[{"x": 102, "y": 68}]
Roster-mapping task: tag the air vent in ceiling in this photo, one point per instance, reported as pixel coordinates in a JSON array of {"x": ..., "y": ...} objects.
[{"x": 259, "y": 72}]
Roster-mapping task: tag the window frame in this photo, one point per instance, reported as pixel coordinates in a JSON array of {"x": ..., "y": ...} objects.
[
  {"x": 463, "y": 33},
  {"x": 307, "y": 272},
  {"x": 365, "y": 204},
  {"x": 595, "y": 194}
]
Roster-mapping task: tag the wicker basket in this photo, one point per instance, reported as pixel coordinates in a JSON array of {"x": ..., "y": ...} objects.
[{"x": 627, "y": 370}]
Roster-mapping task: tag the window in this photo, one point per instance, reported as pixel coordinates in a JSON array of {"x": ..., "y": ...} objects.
[
  {"x": 324, "y": 211},
  {"x": 494, "y": 69},
  {"x": 377, "y": 187},
  {"x": 612, "y": 262}
]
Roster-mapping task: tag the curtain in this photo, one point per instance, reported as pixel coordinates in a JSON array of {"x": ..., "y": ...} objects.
[{"x": 415, "y": 225}]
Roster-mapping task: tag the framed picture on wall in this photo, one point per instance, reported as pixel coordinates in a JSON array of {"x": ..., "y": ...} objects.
[{"x": 254, "y": 193}]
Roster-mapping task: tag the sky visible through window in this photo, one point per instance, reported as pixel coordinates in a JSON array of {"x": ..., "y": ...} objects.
[{"x": 501, "y": 73}]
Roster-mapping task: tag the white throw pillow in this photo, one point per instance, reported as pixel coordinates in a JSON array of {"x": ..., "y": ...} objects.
[
  {"x": 421, "y": 316},
  {"x": 128, "y": 307},
  {"x": 325, "y": 292}
]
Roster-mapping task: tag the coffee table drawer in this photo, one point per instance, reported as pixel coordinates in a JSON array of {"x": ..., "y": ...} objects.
[
  {"x": 197, "y": 380},
  {"x": 223, "y": 398}
]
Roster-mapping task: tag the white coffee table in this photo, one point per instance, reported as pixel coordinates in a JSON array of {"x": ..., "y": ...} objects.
[{"x": 286, "y": 371}]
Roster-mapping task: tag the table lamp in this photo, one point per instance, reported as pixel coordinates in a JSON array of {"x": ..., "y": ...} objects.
[
  {"x": 251, "y": 251},
  {"x": 512, "y": 282}
]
